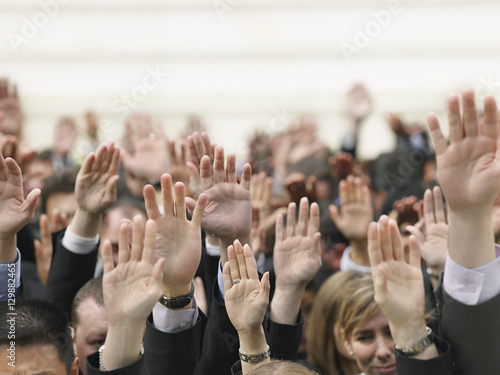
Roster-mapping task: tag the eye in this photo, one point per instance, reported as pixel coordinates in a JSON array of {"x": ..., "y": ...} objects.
[{"x": 363, "y": 338}]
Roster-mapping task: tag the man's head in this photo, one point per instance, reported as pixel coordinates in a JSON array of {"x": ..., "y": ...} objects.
[
  {"x": 36, "y": 336},
  {"x": 59, "y": 192},
  {"x": 89, "y": 320}
]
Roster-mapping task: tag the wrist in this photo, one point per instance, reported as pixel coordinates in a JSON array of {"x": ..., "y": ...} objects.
[
  {"x": 8, "y": 252},
  {"x": 183, "y": 290},
  {"x": 85, "y": 223},
  {"x": 285, "y": 305},
  {"x": 252, "y": 339},
  {"x": 408, "y": 334}
]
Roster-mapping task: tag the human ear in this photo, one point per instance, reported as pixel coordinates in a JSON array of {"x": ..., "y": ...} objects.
[{"x": 75, "y": 366}]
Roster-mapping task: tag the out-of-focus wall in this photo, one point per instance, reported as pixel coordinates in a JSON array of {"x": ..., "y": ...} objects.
[{"x": 237, "y": 63}]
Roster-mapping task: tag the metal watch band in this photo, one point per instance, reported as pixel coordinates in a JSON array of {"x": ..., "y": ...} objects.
[
  {"x": 252, "y": 358},
  {"x": 418, "y": 347},
  {"x": 178, "y": 302}
]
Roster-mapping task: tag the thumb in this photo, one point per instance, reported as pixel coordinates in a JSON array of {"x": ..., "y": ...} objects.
[
  {"x": 334, "y": 213},
  {"x": 30, "y": 202}
]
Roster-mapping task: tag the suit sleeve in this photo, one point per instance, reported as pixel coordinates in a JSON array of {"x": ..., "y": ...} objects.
[
  {"x": 175, "y": 353},
  {"x": 135, "y": 368},
  {"x": 68, "y": 273}
]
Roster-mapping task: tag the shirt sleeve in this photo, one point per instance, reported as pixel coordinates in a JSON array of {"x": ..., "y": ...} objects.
[
  {"x": 6, "y": 279},
  {"x": 472, "y": 286},
  {"x": 78, "y": 244},
  {"x": 174, "y": 320}
]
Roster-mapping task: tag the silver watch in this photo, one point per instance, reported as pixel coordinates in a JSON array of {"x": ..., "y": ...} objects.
[{"x": 418, "y": 347}]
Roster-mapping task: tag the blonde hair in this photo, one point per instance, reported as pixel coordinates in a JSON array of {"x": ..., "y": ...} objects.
[
  {"x": 281, "y": 368},
  {"x": 336, "y": 306}
]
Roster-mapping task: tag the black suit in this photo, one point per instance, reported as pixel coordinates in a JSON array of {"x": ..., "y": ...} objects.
[{"x": 68, "y": 273}]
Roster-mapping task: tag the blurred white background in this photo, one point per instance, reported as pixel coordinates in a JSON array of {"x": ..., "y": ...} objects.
[{"x": 238, "y": 69}]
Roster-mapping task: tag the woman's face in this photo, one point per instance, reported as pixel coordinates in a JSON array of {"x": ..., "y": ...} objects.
[{"x": 373, "y": 346}]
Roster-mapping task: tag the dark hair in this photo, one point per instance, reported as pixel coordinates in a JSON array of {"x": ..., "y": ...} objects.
[
  {"x": 38, "y": 322},
  {"x": 62, "y": 181},
  {"x": 91, "y": 289}
]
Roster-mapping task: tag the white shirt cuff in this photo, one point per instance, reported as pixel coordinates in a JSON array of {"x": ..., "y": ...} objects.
[
  {"x": 213, "y": 251},
  {"x": 472, "y": 286},
  {"x": 78, "y": 244},
  {"x": 347, "y": 264},
  {"x": 174, "y": 320}
]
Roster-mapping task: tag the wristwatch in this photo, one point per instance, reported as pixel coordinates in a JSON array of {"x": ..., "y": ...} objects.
[
  {"x": 419, "y": 347},
  {"x": 178, "y": 302}
]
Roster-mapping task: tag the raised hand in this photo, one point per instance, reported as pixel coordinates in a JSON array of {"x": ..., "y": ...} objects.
[
  {"x": 431, "y": 231},
  {"x": 150, "y": 158},
  {"x": 178, "y": 157},
  {"x": 131, "y": 289},
  {"x": 198, "y": 145},
  {"x": 228, "y": 214},
  {"x": 95, "y": 188},
  {"x": 178, "y": 240},
  {"x": 298, "y": 185},
  {"x": 469, "y": 174},
  {"x": 43, "y": 247},
  {"x": 11, "y": 116},
  {"x": 15, "y": 211},
  {"x": 469, "y": 166},
  {"x": 297, "y": 258},
  {"x": 246, "y": 300},
  {"x": 356, "y": 209},
  {"x": 399, "y": 288}
]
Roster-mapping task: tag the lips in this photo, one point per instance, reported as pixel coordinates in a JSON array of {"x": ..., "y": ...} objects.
[{"x": 386, "y": 370}]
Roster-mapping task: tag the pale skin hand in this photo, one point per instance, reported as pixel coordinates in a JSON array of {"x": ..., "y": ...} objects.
[
  {"x": 178, "y": 240},
  {"x": 149, "y": 144},
  {"x": 43, "y": 247},
  {"x": 355, "y": 216},
  {"x": 246, "y": 302},
  {"x": 469, "y": 174},
  {"x": 95, "y": 189},
  {"x": 131, "y": 289},
  {"x": 433, "y": 235},
  {"x": 228, "y": 214},
  {"x": 198, "y": 145},
  {"x": 399, "y": 288},
  {"x": 297, "y": 258},
  {"x": 15, "y": 211}
]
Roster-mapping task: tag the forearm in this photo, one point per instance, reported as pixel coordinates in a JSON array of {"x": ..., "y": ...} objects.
[
  {"x": 85, "y": 224},
  {"x": 285, "y": 305},
  {"x": 471, "y": 238},
  {"x": 251, "y": 343},
  {"x": 8, "y": 252},
  {"x": 123, "y": 345}
]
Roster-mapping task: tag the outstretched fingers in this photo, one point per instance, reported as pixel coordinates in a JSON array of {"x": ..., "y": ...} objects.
[{"x": 437, "y": 136}]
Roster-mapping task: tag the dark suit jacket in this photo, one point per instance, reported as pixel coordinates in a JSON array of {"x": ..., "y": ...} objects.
[
  {"x": 473, "y": 332},
  {"x": 68, "y": 273},
  {"x": 172, "y": 353},
  {"x": 221, "y": 342}
]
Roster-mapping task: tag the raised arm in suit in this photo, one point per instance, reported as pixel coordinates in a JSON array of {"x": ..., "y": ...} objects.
[
  {"x": 469, "y": 174},
  {"x": 95, "y": 191}
]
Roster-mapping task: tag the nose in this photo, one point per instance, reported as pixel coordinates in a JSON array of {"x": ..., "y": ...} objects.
[{"x": 385, "y": 347}]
